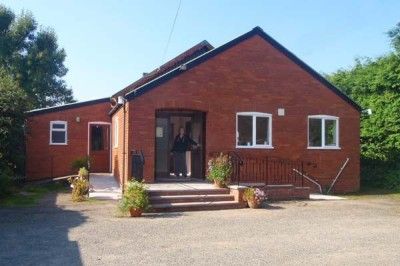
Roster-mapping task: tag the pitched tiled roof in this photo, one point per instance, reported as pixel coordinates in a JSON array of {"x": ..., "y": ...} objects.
[
  {"x": 184, "y": 57},
  {"x": 159, "y": 79}
]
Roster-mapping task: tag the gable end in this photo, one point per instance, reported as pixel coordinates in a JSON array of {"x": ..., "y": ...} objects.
[{"x": 208, "y": 55}]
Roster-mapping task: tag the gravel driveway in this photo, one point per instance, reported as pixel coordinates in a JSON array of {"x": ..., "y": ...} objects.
[{"x": 58, "y": 232}]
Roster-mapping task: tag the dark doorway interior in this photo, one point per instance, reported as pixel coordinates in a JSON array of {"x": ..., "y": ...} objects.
[
  {"x": 99, "y": 151},
  {"x": 168, "y": 123}
]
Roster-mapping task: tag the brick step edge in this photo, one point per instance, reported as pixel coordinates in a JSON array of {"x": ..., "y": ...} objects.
[
  {"x": 188, "y": 192},
  {"x": 195, "y": 206},
  {"x": 191, "y": 198}
]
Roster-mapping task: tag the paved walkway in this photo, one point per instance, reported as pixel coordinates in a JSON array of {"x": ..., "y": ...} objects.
[
  {"x": 341, "y": 232},
  {"x": 104, "y": 186}
]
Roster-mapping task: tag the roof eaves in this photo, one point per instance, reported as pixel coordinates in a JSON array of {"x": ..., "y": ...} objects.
[
  {"x": 257, "y": 30},
  {"x": 65, "y": 106}
]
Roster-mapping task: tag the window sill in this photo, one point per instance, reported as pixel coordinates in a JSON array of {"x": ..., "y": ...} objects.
[
  {"x": 255, "y": 147},
  {"x": 58, "y": 144},
  {"x": 324, "y": 148}
]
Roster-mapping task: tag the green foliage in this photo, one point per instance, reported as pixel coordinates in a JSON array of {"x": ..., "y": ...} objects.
[
  {"x": 220, "y": 169},
  {"x": 80, "y": 188},
  {"x": 30, "y": 195},
  {"x": 135, "y": 196},
  {"x": 375, "y": 84},
  {"x": 5, "y": 185},
  {"x": 80, "y": 162},
  {"x": 394, "y": 35},
  {"x": 381, "y": 174},
  {"x": 12, "y": 117},
  {"x": 83, "y": 173},
  {"x": 33, "y": 58},
  {"x": 248, "y": 194}
]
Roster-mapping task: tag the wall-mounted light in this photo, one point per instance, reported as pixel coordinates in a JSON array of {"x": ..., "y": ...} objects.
[
  {"x": 121, "y": 100},
  {"x": 281, "y": 111},
  {"x": 78, "y": 119},
  {"x": 367, "y": 111}
]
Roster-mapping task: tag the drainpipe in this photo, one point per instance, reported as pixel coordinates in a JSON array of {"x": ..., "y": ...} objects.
[{"x": 122, "y": 100}]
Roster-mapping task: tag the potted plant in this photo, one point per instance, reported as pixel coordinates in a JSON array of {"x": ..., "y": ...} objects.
[
  {"x": 219, "y": 170},
  {"x": 254, "y": 197},
  {"x": 80, "y": 185},
  {"x": 135, "y": 199}
]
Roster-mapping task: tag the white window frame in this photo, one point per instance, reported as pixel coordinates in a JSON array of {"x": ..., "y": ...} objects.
[
  {"x": 323, "y": 146},
  {"x": 116, "y": 132},
  {"x": 254, "y": 115},
  {"x": 65, "y": 123}
]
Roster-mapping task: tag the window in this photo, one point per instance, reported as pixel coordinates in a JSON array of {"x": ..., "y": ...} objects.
[
  {"x": 253, "y": 130},
  {"x": 97, "y": 139},
  {"x": 116, "y": 132},
  {"x": 323, "y": 132},
  {"x": 58, "y": 133}
]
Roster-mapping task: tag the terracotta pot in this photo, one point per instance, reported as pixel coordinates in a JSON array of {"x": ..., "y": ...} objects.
[
  {"x": 135, "y": 212},
  {"x": 253, "y": 204},
  {"x": 219, "y": 184}
]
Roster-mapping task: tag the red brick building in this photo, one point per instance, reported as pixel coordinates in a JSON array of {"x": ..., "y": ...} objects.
[{"x": 250, "y": 95}]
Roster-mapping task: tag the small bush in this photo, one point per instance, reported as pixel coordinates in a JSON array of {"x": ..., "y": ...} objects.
[
  {"x": 81, "y": 162},
  {"x": 380, "y": 174},
  {"x": 254, "y": 194},
  {"x": 83, "y": 173},
  {"x": 80, "y": 185},
  {"x": 220, "y": 169},
  {"x": 135, "y": 196},
  {"x": 80, "y": 189},
  {"x": 5, "y": 185}
]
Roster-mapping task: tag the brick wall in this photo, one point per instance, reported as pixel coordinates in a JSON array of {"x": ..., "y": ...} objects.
[
  {"x": 253, "y": 76},
  {"x": 44, "y": 160},
  {"x": 117, "y": 152}
]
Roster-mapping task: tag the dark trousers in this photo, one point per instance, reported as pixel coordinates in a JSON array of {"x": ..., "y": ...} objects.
[{"x": 180, "y": 163}]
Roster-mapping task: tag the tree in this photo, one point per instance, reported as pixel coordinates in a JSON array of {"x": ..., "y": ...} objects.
[
  {"x": 12, "y": 117},
  {"x": 375, "y": 83},
  {"x": 33, "y": 58}
]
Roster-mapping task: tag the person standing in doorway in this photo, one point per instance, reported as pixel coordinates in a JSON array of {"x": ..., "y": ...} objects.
[{"x": 182, "y": 144}]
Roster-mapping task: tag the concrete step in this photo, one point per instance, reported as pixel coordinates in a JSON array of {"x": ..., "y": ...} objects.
[
  {"x": 171, "y": 192},
  {"x": 191, "y": 198},
  {"x": 194, "y": 206}
]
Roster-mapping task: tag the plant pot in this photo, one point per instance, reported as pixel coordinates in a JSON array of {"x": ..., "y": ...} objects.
[
  {"x": 135, "y": 212},
  {"x": 253, "y": 204},
  {"x": 219, "y": 184}
]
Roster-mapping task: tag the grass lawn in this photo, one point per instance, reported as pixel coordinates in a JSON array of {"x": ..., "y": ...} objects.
[
  {"x": 372, "y": 192},
  {"x": 29, "y": 195}
]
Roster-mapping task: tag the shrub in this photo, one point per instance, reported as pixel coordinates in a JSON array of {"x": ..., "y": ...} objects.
[
  {"x": 5, "y": 185},
  {"x": 380, "y": 174},
  {"x": 83, "y": 173},
  {"x": 80, "y": 185},
  {"x": 220, "y": 169},
  {"x": 135, "y": 196},
  {"x": 80, "y": 189},
  {"x": 254, "y": 194},
  {"x": 81, "y": 162}
]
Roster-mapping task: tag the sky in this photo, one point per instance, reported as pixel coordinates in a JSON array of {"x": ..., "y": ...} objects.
[{"x": 109, "y": 44}]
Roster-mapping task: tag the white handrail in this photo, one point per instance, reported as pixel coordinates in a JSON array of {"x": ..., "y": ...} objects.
[
  {"x": 338, "y": 174},
  {"x": 309, "y": 179}
]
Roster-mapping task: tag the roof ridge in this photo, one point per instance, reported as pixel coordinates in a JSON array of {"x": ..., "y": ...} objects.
[{"x": 211, "y": 53}]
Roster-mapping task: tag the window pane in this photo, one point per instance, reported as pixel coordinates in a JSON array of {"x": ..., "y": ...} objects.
[
  {"x": 58, "y": 126},
  {"x": 58, "y": 137},
  {"x": 314, "y": 132},
  {"x": 262, "y": 124},
  {"x": 330, "y": 132},
  {"x": 97, "y": 138},
  {"x": 245, "y": 130}
]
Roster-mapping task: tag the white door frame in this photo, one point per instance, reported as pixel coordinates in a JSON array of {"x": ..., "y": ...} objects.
[{"x": 88, "y": 139}]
